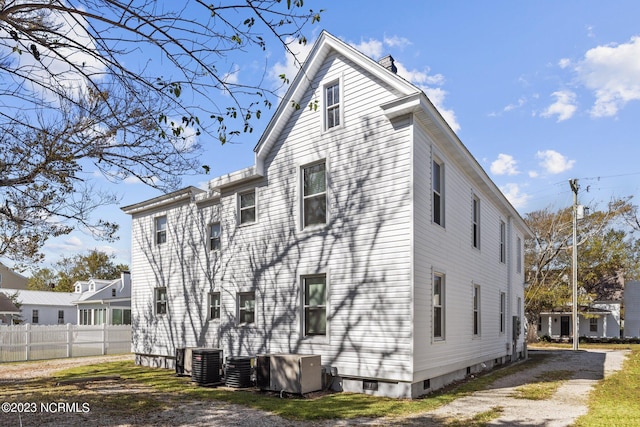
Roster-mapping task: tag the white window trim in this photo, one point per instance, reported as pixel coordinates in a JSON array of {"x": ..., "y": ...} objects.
[
  {"x": 442, "y": 305},
  {"x": 476, "y": 219},
  {"x": 255, "y": 207},
  {"x": 255, "y": 309},
  {"x": 441, "y": 193},
  {"x": 157, "y": 231},
  {"x": 156, "y": 300},
  {"x": 316, "y": 339},
  {"x": 209, "y": 301},
  {"x": 502, "y": 301},
  {"x": 476, "y": 302},
  {"x": 502, "y": 230},
  {"x": 520, "y": 251},
  {"x": 323, "y": 102},
  {"x": 302, "y": 163},
  {"x": 219, "y": 238}
]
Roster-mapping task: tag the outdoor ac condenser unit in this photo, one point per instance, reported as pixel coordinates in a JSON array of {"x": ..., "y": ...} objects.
[{"x": 292, "y": 373}]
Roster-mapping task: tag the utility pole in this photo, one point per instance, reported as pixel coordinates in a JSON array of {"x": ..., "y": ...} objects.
[{"x": 574, "y": 187}]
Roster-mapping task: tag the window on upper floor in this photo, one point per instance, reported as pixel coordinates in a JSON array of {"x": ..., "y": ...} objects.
[
  {"x": 214, "y": 305},
  {"x": 247, "y": 207},
  {"x": 332, "y": 105},
  {"x": 315, "y": 305},
  {"x": 438, "y": 192},
  {"x": 476, "y": 310},
  {"x": 438, "y": 306},
  {"x": 113, "y": 293},
  {"x": 503, "y": 242},
  {"x": 519, "y": 255},
  {"x": 160, "y": 298},
  {"x": 314, "y": 194},
  {"x": 246, "y": 308},
  {"x": 214, "y": 236},
  {"x": 475, "y": 226},
  {"x": 161, "y": 230}
]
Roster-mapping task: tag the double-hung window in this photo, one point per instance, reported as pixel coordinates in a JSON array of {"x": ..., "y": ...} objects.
[
  {"x": 315, "y": 305},
  {"x": 438, "y": 193},
  {"x": 60, "y": 317},
  {"x": 160, "y": 297},
  {"x": 476, "y": 310},
  {"x": 214, "y": 236},
  {"x": 475, "y": 226},
  {"x": 593, "y": 324},
  {"x": 214, "y": 305},
  {"x": 503, "y": 308},
  {"x": 34, "y": 316},
  {"x": 247, "y": 204},
  {"x": 332, "y": 100},
  {"x": 519, "y": 255},
  {"x": 246, "y": 307},
  {"x": 503, "y": 242},
  {"x": 438, "y": 306},
  {"x": 161, "y": 230},
  {"x": 314, "y": 194}
]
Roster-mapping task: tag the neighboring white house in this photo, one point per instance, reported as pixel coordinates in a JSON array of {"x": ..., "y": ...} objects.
[
  {"x": 365, "y": 233},
  {"x": 45, "y": 307},
  {"x": 632, "y": 309},
  {"x": 9, "y": 279},
  {"x": 600, "y": 320},
  {"x": 104, "y": 301},
  {"x": 7, "y": 310}
]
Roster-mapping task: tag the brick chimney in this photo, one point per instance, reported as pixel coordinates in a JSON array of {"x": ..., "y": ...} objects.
[{"x": 387, "y": 62}]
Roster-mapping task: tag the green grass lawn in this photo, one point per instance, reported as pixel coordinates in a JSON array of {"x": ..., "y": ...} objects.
[
  {"x": 164, "y": 387},
  {"x": 615, "y": 401}
]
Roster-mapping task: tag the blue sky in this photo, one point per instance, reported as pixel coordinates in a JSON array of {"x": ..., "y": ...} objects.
[{"x": 539, "y": 92}]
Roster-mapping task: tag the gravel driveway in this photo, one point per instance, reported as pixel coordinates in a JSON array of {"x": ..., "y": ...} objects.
[{"x": 568, "y": 403}]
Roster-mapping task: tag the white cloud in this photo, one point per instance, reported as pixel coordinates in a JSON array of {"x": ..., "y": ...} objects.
[
  {"x": 372, "y": 48},
  {"x": 564, "y": 63},
  {"x": 613, "y": 74},
  {"x": 514, "y": 194},
  {"x": 533, "y": 174},
  {"x": 72, "y": 244},
  {"x": 289, "y": 68},
  {"x": 397, "y": 41},
  {"x": 554, "y": 162},
  {"x": 504, "y": 165},
  {"x": 564, "y": 107}
]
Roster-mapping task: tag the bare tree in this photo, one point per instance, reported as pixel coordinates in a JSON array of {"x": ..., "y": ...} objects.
[{"x": 125, "y": 88}]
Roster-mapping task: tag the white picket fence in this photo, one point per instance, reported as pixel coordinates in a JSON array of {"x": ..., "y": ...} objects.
[{"x": 37, "y": 342}]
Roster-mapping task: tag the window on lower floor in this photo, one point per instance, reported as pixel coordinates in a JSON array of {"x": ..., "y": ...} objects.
[
  {"x": 214, "y": 305},
  {"x": 593, "y": 324},
  {"x": 160, "y": 298},
  {"x": 34, "y": 316},
  {"x": 121, "y": 316},
  {"x": 60, "y": 317},
  {"x": 315, "y": 305},
  {"x": 503, "y": 307},
  {"x": 246, "y": 307},
  {"x": 476, "y": 310},
  {"x": 438, "y": 306}
]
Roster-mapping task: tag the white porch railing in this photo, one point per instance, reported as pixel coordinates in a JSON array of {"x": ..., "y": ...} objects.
[{"x": 36, "y": 342}]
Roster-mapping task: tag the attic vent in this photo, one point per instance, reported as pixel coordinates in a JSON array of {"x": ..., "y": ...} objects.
[{"x": 388, "y": 63}]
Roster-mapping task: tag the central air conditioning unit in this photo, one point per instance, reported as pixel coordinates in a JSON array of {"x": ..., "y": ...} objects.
[
  {"x": 291, "y": 373},
  {"x": 183, "y": 361}
]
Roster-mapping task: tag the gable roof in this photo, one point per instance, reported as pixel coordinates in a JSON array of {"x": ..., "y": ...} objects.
[
  {"x": 48, "y": 298},
  {"x": 324, "y": 45},
  {"x": 6, "y": 306}
]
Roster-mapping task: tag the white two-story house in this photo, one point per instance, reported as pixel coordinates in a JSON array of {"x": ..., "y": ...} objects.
[{"x": 365, "y": 232}]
